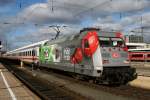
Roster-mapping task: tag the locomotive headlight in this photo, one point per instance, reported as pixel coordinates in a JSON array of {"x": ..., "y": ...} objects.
[
  {"x": 105, "y": 61},
  {"x": 126, "y": 62}
]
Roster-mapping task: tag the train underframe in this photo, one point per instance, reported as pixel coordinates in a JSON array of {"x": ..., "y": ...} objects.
[
  {"x": 110, "y": 75},
  {"x": 119, "y": 75}
]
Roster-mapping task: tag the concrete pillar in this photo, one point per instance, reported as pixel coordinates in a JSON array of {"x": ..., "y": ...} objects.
[
  {"x": 32, "y": 66},
  {"x": 21, "y": 64}
]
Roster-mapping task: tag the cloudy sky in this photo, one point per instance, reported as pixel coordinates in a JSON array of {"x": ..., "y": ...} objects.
[{"x": 24, "y": 22}]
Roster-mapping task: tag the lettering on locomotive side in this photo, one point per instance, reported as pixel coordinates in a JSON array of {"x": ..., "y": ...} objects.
[{"x": 66, "y": 54}]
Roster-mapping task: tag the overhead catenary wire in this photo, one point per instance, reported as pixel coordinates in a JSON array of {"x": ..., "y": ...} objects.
[{"x": 92, "y": 8}]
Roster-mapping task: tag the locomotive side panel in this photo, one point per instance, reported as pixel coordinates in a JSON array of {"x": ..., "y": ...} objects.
[{"x": 66, "y": 52}]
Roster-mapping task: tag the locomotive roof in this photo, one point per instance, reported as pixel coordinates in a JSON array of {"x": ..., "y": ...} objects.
[
  {"x": 82, "y": 33},
  {"x": 101, "y": 32}
]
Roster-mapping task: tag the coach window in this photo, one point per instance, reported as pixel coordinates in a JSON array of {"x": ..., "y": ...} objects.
[
  {"x": 57, "y": 55},
  {"x": 148, "y": 55},
  {"x": 137, "y": 55},
  {"x": 30, "y": 53},
  {"x": 33, "y": 52}
]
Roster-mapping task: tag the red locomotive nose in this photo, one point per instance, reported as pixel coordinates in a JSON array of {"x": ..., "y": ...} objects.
[{"x": 115, "y": 55}]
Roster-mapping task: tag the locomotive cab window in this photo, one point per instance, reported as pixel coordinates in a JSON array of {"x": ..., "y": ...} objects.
[
  {"x": 111, "y": 42},
  {"x": 105, "y": 42},
  {"x": 117, "y": 42}
]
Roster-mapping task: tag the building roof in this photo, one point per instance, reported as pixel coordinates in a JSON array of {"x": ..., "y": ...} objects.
[
  {"x": 135, "y": 44},
  {"x": 140, "y": 49}
]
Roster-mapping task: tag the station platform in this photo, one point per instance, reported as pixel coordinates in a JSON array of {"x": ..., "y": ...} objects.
[
  {"x": 141, "y": 82},
  {"x": 12, "y": 89}
]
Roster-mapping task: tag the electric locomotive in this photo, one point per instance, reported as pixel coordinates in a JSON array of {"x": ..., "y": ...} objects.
[{"x": 91, "y": 54}]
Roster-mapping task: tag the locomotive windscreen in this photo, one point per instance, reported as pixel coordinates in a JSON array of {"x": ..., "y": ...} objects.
[{"x": 111, "y": 42}]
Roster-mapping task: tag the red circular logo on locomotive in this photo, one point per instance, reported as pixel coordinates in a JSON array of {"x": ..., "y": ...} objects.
[{"x": 115, "y": 55}]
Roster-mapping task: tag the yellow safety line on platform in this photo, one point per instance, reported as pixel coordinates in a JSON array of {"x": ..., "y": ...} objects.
[{"x": 8, "y": 87}]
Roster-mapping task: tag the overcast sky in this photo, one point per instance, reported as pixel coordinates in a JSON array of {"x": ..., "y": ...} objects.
[{"x": 23, "y": 22}]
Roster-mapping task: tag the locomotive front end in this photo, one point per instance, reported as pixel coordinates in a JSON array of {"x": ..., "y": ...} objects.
[{"x": 116, "y": 68}]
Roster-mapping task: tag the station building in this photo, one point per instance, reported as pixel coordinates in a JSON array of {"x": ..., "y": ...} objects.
[{"x": 135, "y": 42}]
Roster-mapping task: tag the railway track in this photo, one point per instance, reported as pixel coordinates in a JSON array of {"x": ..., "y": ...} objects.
[
  {"x": 142, "y": 68},
  {"x": 125, "y": 92},
  {"x": 132, "y": 93},
  {"x": 42, "y": 88}
]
